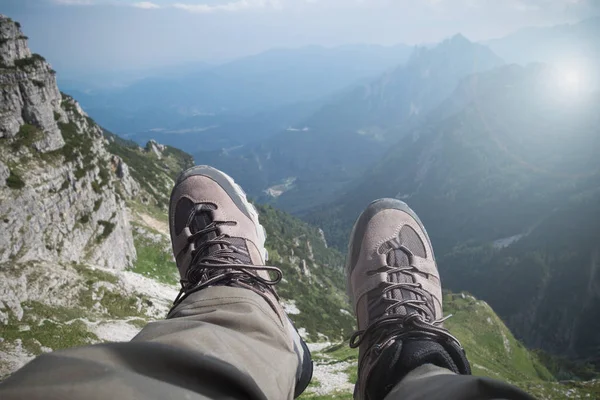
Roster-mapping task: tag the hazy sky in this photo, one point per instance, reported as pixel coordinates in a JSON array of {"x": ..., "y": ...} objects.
[{"x": 97, "y": 35}]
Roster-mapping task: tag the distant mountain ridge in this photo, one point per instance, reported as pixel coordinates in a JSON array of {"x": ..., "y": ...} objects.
[
  {"x": 247, "y": 86},
  {"x": 346, "y": 135},
  {"x": 491, "y": 179}
]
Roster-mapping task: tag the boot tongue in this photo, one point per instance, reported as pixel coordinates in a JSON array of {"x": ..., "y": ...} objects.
[
  {"x": 203, "y": 219},
  {"x": 399, "y": 258},
  {"x": 200, "y": 221}
]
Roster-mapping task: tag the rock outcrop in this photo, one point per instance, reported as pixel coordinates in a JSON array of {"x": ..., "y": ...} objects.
[
  {"x": 62, "y": 199},
  {"x": 28, "y": 90},
  {"x": 156, "y": 148},
  {"x": 130, "y": 186}
]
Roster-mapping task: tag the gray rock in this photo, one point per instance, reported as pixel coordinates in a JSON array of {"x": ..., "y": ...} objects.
[
  {"x": 28, "y": 90},
  {"x": 156, "y": 148},
  {"x": 130, "y": 186},
  {"x": 13, "y": 45},
  {"x": 67, "y": 211},
  {"x": 4, "y": 174}
]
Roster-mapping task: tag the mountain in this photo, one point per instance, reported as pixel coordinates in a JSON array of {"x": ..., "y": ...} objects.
[
  {"x": 574, "y": 47},
  {"x": 338, "y": 142},
  {"x": 509, "y": 187},
  {"x": 85, "y": 254},
  {"x": 244, "y": 87},
  {"x": 491, "y": 347}
]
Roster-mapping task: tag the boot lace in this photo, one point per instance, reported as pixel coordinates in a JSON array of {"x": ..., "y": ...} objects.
[
  {"x": 219, "y": 261},
  {"x": 419, "y": 323}
]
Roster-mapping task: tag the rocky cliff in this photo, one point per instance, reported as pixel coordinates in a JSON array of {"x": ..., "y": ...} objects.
[
  {"x": 59, "y": 189},
  {"x": 29, "y": 91},
  {"x": 65, "y": 217}
]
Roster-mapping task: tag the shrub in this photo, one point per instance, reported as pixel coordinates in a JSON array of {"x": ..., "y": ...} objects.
[
  {"x": 104, "y": 175},
  {"x": 96, "y": 187},
  {"x": 97, "y": 204},
  {"x": 79, "y": 173},
  {"x": 27, "y": 136},
  {"x": 75, "y": 142},
  {"x": 108, "y": 226},
  {"x": 25, "y": 62},
  {"x": 14, "y": 181}
]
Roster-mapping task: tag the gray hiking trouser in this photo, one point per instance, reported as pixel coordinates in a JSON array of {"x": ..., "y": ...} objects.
[{"x": 219, "y": 343}]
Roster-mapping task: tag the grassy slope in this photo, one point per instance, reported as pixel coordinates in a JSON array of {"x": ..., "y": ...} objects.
[
  {"x": 319, "y": 295},
  {"x": 491, "y": 348}
]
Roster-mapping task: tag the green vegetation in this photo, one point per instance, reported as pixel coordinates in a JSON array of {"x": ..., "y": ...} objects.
[
  {"x": 319, "y": 291},
  {"x": 114, "y": 304},
  {"x": 97, "y": 204},
  {"x": 68, "y": 103},
  {"x": 85, "y": 218},
  {"x": 93, "y": 275},
  {"x": 44, "y": 327},
  {"x": 491, "y": 348},
  {"x": 14, "y": 181},
  {"x": 51, "y": 327},
  {"x": 26, "y": 137},
  {"x": 154, "y": 177},
  {"x": 26, "y": 62},
  {"x": 555, "y": 258},
  {"x": 39, "y": 84},
  {"x": 154, "y": 262},
  {"x": 75, "y": 144},
  {"x": 104, "y": 175},
  {"x": 107, "y": 229},
  {"x": 96, "y": 187}
]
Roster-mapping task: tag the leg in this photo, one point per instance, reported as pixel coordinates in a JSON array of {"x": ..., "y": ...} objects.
[
  {"x": 227, "y": 336},
  {"x": 394, "y": 284},
  {"x": 432, "y": 382}
]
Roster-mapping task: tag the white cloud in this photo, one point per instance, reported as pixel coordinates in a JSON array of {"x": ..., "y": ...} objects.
[
  {"x": 239, "y": 5},
  {"x": 146, "y": 5}
]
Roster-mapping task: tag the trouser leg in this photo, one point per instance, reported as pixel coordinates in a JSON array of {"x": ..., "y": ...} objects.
[
  {"x": 435, "y": 383},
  {"x": 219, "y": 343}
]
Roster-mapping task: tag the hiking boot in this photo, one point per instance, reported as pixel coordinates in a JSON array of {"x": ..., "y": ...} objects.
[
  {"x": 395, "y": 288},
  {"x": 218, "y": 241}
]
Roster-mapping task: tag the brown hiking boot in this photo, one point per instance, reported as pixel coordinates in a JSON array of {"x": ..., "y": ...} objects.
[
  {"x": 395, "y": 288},
  {"x": 218, "y": 241},
  {"x": 216, "y": 236}
]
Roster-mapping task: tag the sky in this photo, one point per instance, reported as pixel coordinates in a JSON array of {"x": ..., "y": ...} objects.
[{"x": 108, "y": 35}]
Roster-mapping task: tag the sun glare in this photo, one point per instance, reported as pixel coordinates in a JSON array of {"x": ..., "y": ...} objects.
[{"x": 572, "y": 78}]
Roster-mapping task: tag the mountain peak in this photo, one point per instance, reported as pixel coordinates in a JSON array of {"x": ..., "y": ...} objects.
[
  {"x": 459, "y": 38},
  {"x": 13, "y": 44},
  {"x": 460, "y": 48}
]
